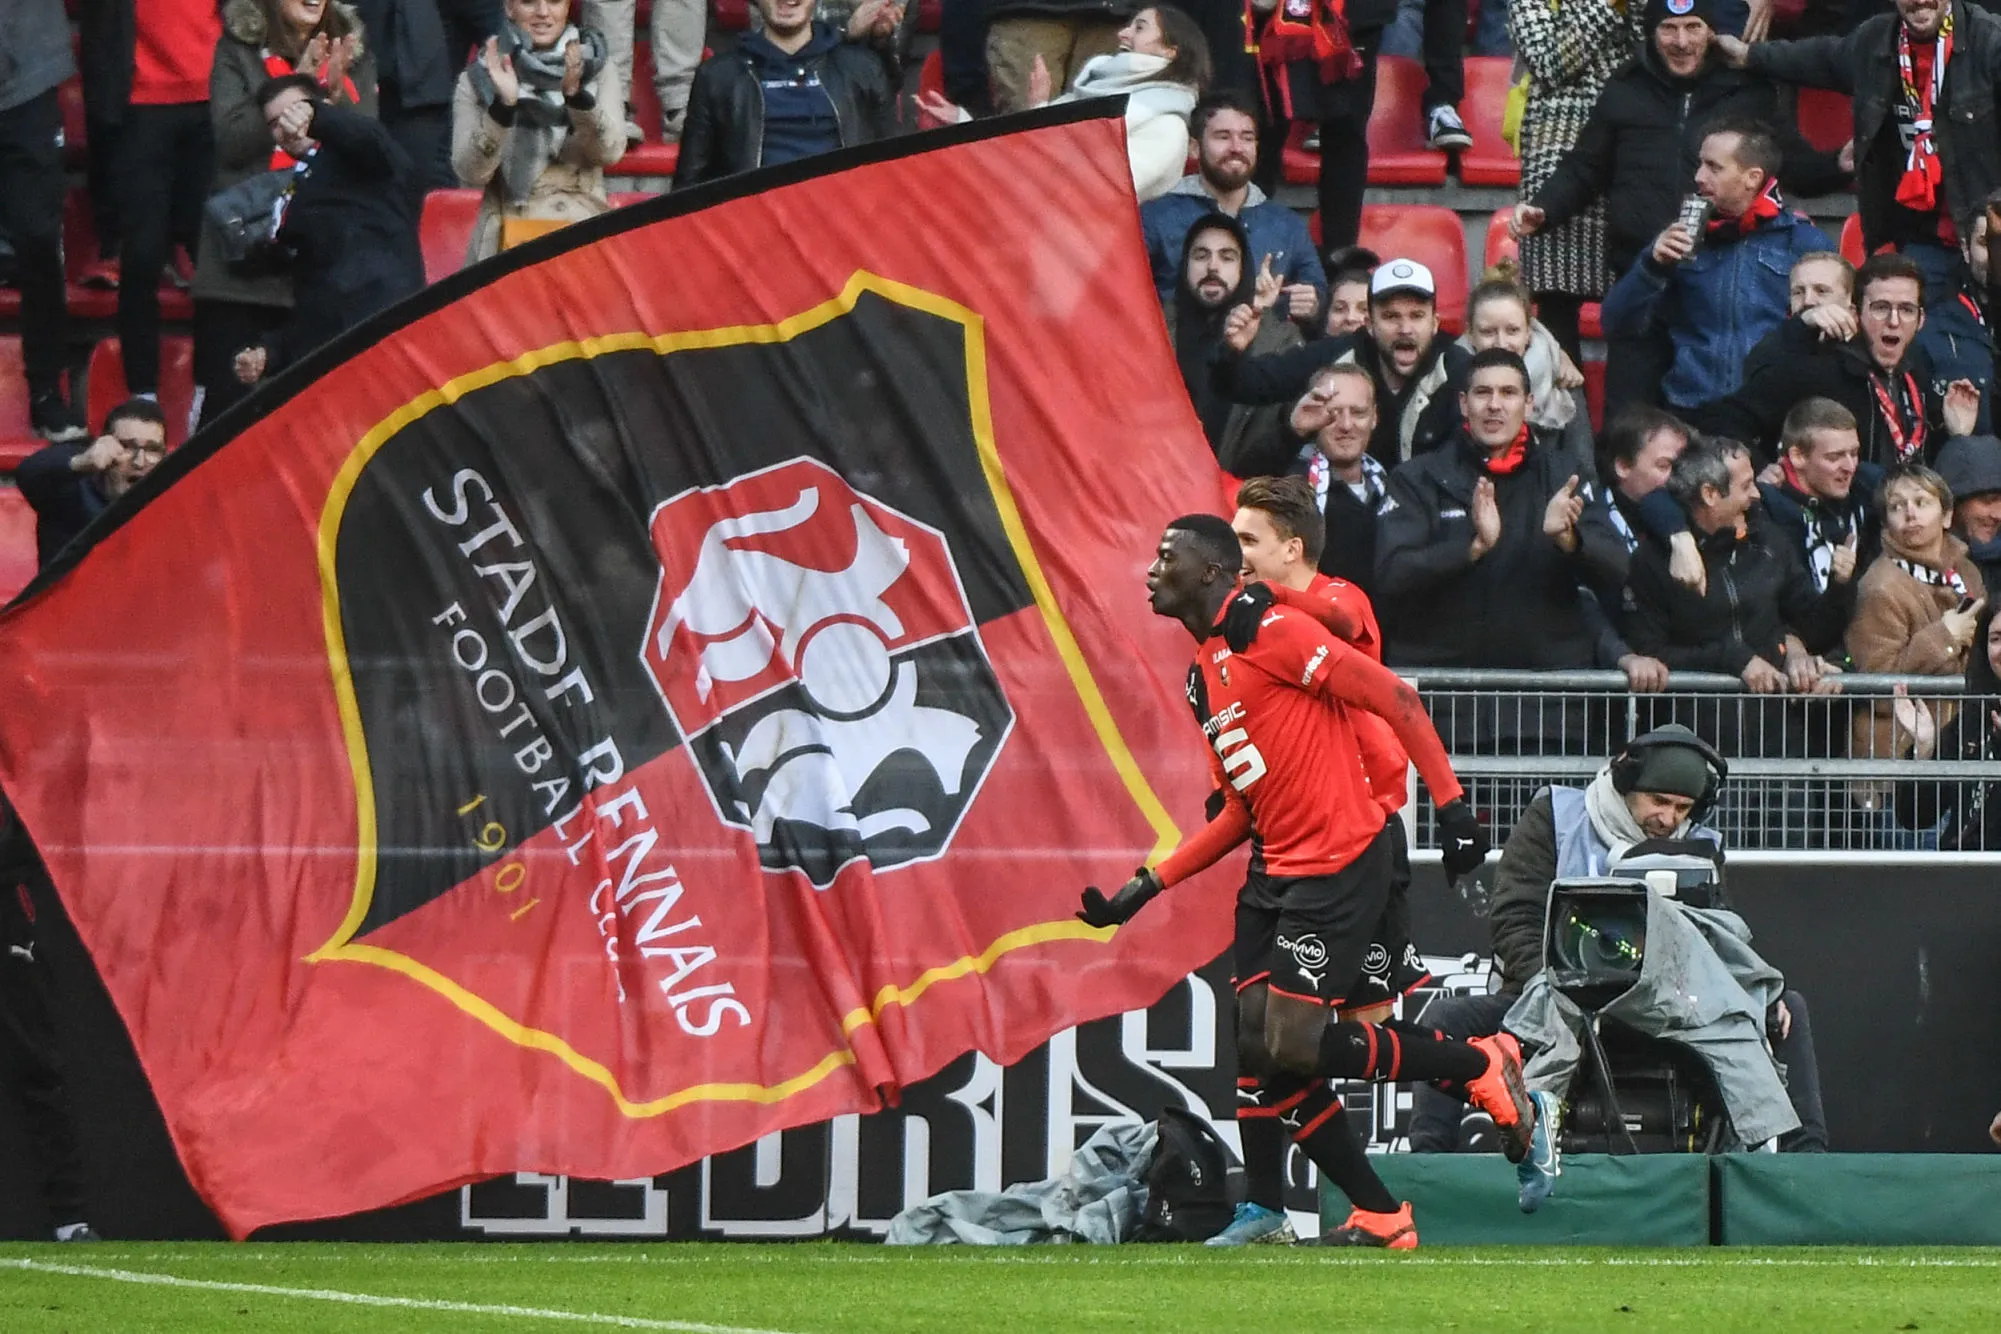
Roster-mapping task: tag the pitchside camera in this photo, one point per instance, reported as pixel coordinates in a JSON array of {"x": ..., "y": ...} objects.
[{"x": 1595, "y": 927}]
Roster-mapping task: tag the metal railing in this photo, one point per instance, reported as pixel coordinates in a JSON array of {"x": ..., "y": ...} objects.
[{"x": 1808, "y": 773}]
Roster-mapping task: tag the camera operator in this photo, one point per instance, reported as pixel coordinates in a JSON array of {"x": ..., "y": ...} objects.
[{"x": 1657, "y": 789}]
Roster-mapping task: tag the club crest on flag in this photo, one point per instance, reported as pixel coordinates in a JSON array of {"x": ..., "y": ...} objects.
[{"x": 816, "y": 648}]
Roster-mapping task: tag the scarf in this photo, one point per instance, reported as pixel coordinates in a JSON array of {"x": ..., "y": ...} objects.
[
  {"x": 1375, "y": 481},
  {"x": 1930, "y": 578},
  {"x": 277, "y": 67},
  {"x": 1923, "y": 174},
  {"x": 1612, "y": 819},
  {"x": 1512, "y": 458},
  {"x": 1826, "y": 527},
  {"x": 541, "y": 119},
  {"x": 1906, "y": 404},
  {"x": 1767, "y": 207},
  {"x": 1306, "y": 30}
]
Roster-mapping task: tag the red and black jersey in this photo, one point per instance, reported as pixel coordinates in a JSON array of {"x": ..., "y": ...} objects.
[
  {"x": 1285, "y": 749},
  {"x": 1347, "y": 614}
]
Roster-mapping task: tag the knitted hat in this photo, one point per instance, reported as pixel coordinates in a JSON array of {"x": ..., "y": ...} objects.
[
  {"x": 1660, "y": 11},
  {"x": 1679, "y": 771}
]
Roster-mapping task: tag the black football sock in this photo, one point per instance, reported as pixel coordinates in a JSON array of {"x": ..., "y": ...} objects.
[
  {"x": 1264, "y": 1144},
  {"x": 1410, "y": 1032},
  {"x": 1355, "y": 1050},
  {"x": 1320, "y": 1126}
]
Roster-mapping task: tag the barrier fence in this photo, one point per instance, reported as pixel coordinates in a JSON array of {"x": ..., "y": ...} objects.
[{"x": 1839, "y": 772}]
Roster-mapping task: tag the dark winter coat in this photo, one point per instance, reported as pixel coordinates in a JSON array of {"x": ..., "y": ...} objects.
[
  {"x": 1239, "y": 434},
  {"x": 352, "y": 231},
  {"x": 1520, "y": 901},
  {"x": 1639, "y": 150},
  {"x": 1519, "y": 605},
  {"x": 723, "y": 133},
  {"x": 1757, "y": 592},
  {"x": 1863, "y": 64},
  {"x": 1793, "y": 363},
  {"x": 64, "y": 500}
]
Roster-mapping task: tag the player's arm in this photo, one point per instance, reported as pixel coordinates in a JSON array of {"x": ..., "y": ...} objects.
[
  {"x": 1211, "y": 844},
  {"x": 1339, "y": 616}
]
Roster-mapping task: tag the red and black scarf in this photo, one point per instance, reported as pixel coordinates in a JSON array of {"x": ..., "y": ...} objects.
[
  {"x": 1767, "y": 207},
  {"x": 1511, "y": 459},
  {"x": 1923, "y": 174},
  {"x": 1902, "y": 406},
  {"x": 1307, "y": 30}
]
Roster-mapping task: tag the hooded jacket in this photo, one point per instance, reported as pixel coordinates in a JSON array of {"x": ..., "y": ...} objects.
[
  {"x": 1274, "y": 229},
  {"x": 723, "y": 133},
  {"x": 1517, "y": 606},
  {"x": 1715, "y": 305},
  {"x": 243, "y": 141},
  {"x": 1640, "y": 148},
  {"x": 1863, "y": 64},
  {"x": 1793, "y": 362},
  {"x": 1238, "y": 433}
]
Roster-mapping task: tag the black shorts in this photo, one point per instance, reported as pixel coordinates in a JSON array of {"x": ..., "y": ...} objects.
[{"x": 1340, "y": 939}]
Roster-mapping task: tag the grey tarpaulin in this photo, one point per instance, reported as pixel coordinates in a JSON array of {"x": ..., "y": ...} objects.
[
  {"x": 1101, "y": 1199},
  {"x": 1701, "y": 985}
]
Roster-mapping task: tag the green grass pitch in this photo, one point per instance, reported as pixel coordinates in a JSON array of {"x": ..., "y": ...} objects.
[{"x": 835, "y": 1288}]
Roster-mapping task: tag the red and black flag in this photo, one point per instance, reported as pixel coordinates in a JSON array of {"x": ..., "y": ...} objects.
[{"x": 661, "y": 686}]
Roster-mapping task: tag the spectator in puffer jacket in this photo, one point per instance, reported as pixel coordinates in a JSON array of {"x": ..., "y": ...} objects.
[
  {"x": 536, "y": 118},
  {"x": 1225, "y": 128},
  {"x": 1717, "y": 294}
]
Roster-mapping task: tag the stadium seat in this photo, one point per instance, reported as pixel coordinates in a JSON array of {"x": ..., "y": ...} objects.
[
  {"x": 17, "y": 542},
  {"x": 1594, "y": 392},
  {"x": 1397, "y": 155},
  {"x": 80, "y": 252},
  {"x": 446, "y": 231},
  {"x": 1825, "y": 118},
  {"x": 1433, "y": 236},
  {"x": 17, "y": 431},
  {"x": 651, "y": 158},
  {"x": 1489, "y": 161},
  {"x": 622, "y": 198},
  {"x": 1499, "y": 245},
  {"x": 1851, "y": 240},
  {"x": 106, "y": 378},
  {"x": 930, "y": 13},
  {"x": 730, "y": 15},
  {"x": 1588, "y": 323}
]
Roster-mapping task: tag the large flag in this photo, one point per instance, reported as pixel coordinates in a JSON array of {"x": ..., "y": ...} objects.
[{"x": 659, "y": 687}]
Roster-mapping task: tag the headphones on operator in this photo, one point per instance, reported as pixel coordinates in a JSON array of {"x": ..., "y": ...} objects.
[{"x": 1629, "y": 762}]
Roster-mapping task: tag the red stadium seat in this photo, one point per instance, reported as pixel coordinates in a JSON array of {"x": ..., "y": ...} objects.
[
  {"x": 80, "y": 252},
  {"x": 1397, "y": 152},
  {"x": 1397, "y": 155},
  {"x": 1500, "y": 245},
  {"x": 1851, "y": 240},
  {"x": 930, "y": 79},
  {"x": 1594, "y": 392},
  {"x": 1588, "y": 324},
  {"x": 17, "y": 542},
  {"x": 446, "y": 231},
  {"x": 1825, "y": 118},
  {"x": 17, "y": 430},
  {"x": 622, "y": 198},
  {"x": 731, "y": 15},
  {"x": 177, "y": 383},
  {"x": 1489, "y": 161},
  {"x": 930, "y": 13},
  {"x": 1433, "y": 236},
  {"x": 651, "y": 158}
]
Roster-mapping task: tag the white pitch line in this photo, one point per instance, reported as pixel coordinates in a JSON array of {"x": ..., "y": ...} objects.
[{"x": 371, "y": 1299}]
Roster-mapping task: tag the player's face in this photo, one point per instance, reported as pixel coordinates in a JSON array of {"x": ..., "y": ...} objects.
[
  {"x": 1175, "y": 578},
  {"x": 1266, "y": 555},
  {"x": 1659, "y": 813}
]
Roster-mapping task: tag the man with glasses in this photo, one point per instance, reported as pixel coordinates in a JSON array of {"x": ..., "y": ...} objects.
[
  {"x": 1878, "y": 372},
  {"x": 70, "y": 485}
]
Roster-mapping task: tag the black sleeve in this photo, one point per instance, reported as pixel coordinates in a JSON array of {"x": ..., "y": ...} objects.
[
  {"x": 1521, "y": 891},
  {"x": 1650, "y": 630},
  {"x": 1819, "y": 619},
  {"x": 360, "y": 142},
  {"x": 51, "y": 487},
  {"x": 1583, "y": 173},
  {"x": 1278, "y": 377},
  {"x": 698, "y": 130}
]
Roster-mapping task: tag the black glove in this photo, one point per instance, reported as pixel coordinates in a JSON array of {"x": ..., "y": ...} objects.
[
  {"x": 1212, "y": 809},
  {"x": 1242, "y": 617},
  {"x": 1462, "y": 838},
  {"x": 1120, "y": 907}
]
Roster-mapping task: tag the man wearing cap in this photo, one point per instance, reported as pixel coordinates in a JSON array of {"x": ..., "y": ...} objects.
[
  {"x": 1971, "y": 466},
  {"x": 1481, "y": 543},
  {"x": 1927, "y": 153},
  {"x": 1566, "y": 831},
  {"x": 1398, "y": 347},
  {"x": 1716, "y": 293},
  {"x": 1639, "y": 152}
]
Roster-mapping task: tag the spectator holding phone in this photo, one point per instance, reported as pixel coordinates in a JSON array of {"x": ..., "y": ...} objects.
[{"x": 1920, "y": 602}]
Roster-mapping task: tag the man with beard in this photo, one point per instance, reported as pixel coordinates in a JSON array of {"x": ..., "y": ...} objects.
[
  {"x": 1397, "y": 350},
  {"x": 1867, "y": 360},
  {"x": 1314, "y": 929},
  {"x": 1481, "y": 545},
  {"x": 1715, "y": 295},
  {"x": 1225, "y": 128},
  {"x": 1927, "y": 154},
  {"x": 1338, "y": 416},
  {"x": 1639, "y": 152},
  {"x": 1215, "y": 278},
  {"x": 1971, "y": 466}
]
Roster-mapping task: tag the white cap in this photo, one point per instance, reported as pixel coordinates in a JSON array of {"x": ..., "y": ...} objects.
[{"x": 1402, "y": 275}]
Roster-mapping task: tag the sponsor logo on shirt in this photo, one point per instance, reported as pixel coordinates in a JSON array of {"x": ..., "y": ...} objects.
[{"x": 1313, "y": 665}]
